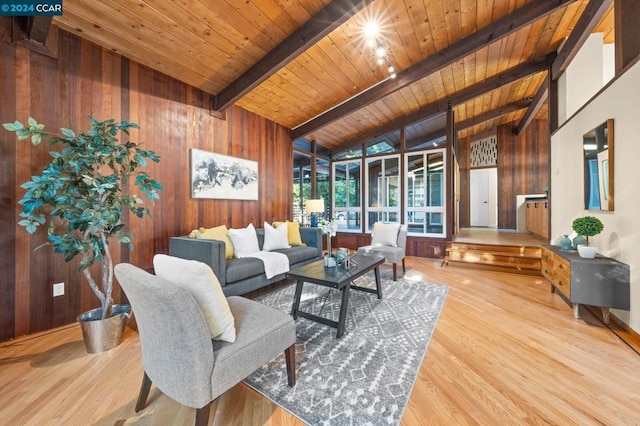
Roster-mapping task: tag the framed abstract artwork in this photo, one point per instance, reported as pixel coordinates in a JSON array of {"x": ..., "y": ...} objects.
[{"x": 223, "y": 177}]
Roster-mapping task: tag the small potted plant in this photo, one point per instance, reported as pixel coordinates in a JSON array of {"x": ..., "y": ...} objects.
[{"x": 587, "y": 226}]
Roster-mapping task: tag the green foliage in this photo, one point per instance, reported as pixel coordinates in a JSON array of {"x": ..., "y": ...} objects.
[
  {"x": 83, "y": 190},
  {"x": 587, "y": 226}
]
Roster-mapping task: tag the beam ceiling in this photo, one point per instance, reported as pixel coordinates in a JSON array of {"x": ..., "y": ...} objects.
[
  {"x": 591, "y": 16},
  {"x": 501, "y": 80},
  {"x": 320, "y": 25},
  {"x": 464, "y": 47},
  {"x": 281, "y": 61}
]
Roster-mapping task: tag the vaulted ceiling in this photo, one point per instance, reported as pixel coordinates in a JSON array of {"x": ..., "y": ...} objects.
[{"x": 305, "y": 63}]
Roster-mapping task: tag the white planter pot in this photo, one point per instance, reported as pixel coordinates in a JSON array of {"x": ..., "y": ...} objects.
[{"x": 588, "y": 252}]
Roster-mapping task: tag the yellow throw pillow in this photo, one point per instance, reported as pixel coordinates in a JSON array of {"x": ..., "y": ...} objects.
[
  {"x": 293, "y": 233},
  {"x": 194, "y": 233},
  {"x": 218, "y": 233}
]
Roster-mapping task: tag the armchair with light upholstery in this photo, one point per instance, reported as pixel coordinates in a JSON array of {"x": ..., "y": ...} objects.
[
  {"x": 390, "y": 241},
  {"x": 178, "y": 353}
]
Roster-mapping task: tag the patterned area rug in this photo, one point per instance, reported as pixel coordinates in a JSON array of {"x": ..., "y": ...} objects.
[{"x": 365, "y": 377}]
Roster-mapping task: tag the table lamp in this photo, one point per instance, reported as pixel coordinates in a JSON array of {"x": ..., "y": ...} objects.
[{"x": 314, "y": 207}]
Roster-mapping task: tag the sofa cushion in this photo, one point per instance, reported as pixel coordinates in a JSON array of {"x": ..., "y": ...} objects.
[
  {"x": 385, "y": 234},
  {"x": 299, "y": 254},
  {"x": 220, "y": 233},
  {"x": 293, "y": 232},
  {"x": 275, "y": 238},
  {"x": 199, "y": 280},
  {"x": 245, "y": 241},
  {"x": 240, "y": 269}
]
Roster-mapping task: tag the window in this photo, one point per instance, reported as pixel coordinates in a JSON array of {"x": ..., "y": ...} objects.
[
  {"x": 347, "y": 177},
  {"x": 323, "y": 189},
  {"x": 386, "y": 144},
  {"x": 350, "y": 153},
  {"x": 383, "y": 190},
  {"x": 425, "y": 189},
  {"x": 301, "y": 185},
  {"x": 427, "y": 134}
]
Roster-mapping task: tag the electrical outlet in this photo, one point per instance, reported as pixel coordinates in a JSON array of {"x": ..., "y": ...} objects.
[{"x": 58, "y": 289}]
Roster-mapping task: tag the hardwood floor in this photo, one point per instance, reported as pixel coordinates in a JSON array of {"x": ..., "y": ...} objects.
[{"x": 505, "y": 351}]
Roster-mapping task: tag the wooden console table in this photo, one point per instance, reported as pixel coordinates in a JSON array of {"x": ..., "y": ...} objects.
[{"x": 600, "y": 282}]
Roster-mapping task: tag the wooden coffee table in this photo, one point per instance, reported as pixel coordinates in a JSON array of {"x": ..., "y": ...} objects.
[{"x": 335, "y": 277}]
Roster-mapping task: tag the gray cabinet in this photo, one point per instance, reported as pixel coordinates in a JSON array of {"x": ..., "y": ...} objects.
[{"x": 600, "y": 282}]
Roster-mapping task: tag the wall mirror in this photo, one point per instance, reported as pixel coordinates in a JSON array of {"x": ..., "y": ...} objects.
[{"x": 597, "y": 147}]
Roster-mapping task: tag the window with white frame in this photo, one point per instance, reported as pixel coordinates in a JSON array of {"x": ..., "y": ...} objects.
[
  {"x": 347, "y": 190},
  {"x": 425, "y": 193},
  {"x": 382, "y": 190}
]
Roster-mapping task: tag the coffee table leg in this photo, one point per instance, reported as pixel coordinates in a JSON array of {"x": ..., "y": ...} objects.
[
  {"x": 376, "y": 271},
  {"x": 296, "y": 299},
  {"x": 344, "y": 307}
]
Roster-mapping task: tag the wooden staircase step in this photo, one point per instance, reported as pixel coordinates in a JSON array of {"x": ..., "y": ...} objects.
[
  {"x": 491, "y": 256},
  {"x": 501, "y": 258},
  {"x": 523, "y": 250},
  {"x": 494, "y": 268}
]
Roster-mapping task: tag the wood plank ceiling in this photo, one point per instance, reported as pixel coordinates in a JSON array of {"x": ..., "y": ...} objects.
[{"x": 211, "y": 44}]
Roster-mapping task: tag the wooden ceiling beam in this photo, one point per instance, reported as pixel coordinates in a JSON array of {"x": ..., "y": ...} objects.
[
  {"x": 493, "y": 114},
  {"x": 478, "y": 119},
  {"x": 31, "y": 32},
  {"x": 321, "y": 24},
  {"x": 591, "y": 16},
  {"x": 502, "y": 27},
  {"x": 538, "y": 100},
  {"x": 506, "y": 77}
]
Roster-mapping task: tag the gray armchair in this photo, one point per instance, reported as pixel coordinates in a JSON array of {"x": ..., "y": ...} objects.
[
  {"x": 178, "y": 354},
  {"x": 393, "y": 253}
]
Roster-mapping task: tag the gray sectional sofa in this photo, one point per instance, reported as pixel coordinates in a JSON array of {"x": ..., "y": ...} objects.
[{"x": 240, "y": 276}]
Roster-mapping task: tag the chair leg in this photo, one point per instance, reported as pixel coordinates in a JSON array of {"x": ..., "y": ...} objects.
[
  {"x": 144, "y": 392},
  {"x": 202, "y": 415},
  {"x": 290, "y": 356},
  {"x": 404, "y": 268},
  {"x": 395, "y": 271}
]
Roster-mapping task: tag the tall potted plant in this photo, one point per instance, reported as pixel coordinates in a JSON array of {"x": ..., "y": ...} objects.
[
  {"x": 587, "y": 226},
  {"x": 83, "y": 193}
]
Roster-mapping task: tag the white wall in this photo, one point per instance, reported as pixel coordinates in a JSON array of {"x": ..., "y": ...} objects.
[
  {"x": 608, "y": 62},
  {"x": 584, "y": 74},
  {"x": 621, "y": 236}
]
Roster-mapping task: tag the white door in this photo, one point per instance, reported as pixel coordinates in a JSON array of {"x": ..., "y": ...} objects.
[{"x": 479, "y": 192}]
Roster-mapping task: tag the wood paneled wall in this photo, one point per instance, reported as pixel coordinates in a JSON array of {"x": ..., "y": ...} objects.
[
  {"x": 523, "y": 168},
  {"x": 173, "y": 117},
  {"x": 464, "y": 208}
]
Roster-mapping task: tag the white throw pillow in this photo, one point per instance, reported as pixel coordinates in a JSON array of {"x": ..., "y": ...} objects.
[
  {"x": 199, "y": 280},
  {"x": 385, "y": 234},
  {"x": 275, "y": 238},
  {"x": 245, "y": 241}
]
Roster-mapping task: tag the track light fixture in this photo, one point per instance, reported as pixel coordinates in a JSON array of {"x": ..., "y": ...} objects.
[{"x": 376, "y": 44}]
